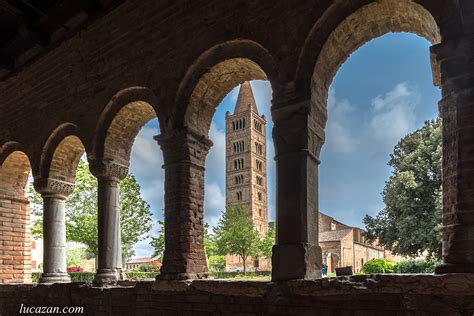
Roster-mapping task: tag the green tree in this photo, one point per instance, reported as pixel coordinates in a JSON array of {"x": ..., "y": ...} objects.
[
  {"x": 265, "y": 244},
  {"x": 81, "y": 212},
  {"x": 235, "y": 234},
  {"x": 410, "y": 222},
  {"x": 158, "y": 243}
]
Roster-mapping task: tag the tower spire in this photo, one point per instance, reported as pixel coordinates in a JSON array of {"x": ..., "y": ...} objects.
[{"x": 245, "y": 99}]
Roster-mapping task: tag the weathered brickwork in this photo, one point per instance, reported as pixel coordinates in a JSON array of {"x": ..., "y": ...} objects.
[
  {"x": 362, "y": 295},
  {"x": 15, "y": 249}
]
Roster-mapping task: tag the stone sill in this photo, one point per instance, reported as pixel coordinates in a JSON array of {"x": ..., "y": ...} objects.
[{"x": 425, "y": 284}]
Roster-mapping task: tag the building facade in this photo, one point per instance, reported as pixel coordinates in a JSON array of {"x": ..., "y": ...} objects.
[{"x": 343, "y": 245}]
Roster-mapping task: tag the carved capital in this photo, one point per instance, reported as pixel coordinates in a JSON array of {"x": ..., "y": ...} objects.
[
  {"x": 296, "y": 131},
  {"x": 108, "y": 169},
  {"x": 184, "y": 146},
  {"x": 53, "y": 187},
  {"x": 175, "y": 138}
]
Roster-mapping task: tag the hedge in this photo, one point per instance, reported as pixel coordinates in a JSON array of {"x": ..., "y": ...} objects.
[
  {"x": 230, "y": 275},
  {"x": 405, "y": 266},
  {"x": 416, "y": 266},
  {"x": 88, "y": 277},
  {"x": 378, "y": 266}
]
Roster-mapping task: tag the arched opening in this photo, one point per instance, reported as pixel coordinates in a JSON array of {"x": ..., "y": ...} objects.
[
  {"x": 124, "y": 142},
  {"x": 15, "y": 215},
  {"x": 370, "y": 109},
  {"x": 226, "y": 105},
  {"x": 54, "y": 210}
]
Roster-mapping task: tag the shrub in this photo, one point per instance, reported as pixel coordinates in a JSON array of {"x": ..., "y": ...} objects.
[
  {"x": 378, "y": 266},
  {"x": 137, "y": 275},
  {"x": 233, "y": 275},
  {"x": 416, "y": 266},
  {"x": 148, "y": 268},
  {"x": 74, "y": 268},
  {"x": 86, "y": 277},
  {"x": 35, "y": 277}
]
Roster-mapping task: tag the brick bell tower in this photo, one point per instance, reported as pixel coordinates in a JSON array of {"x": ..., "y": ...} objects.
[{"x": 246, "y": 163}]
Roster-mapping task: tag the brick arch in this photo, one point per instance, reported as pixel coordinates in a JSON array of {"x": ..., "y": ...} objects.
[
  {"x": 61, "y": 154},
  {"x": 123, "y": 117},
  {"x": 368, "y": 22},
  {"x": 214, "y": 74},
  {"x": 15, "y": 168}
]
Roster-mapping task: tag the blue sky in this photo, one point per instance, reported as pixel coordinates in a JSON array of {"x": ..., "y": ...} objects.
[{"x": 382, "y": 92}]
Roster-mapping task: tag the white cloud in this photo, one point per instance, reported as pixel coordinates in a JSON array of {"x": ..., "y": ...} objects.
[
  {"x": 393, "y": 115},
  {"x": 338, "y": 137},
  {"x": 214, "y": 203},
  {"x": 146, "y": 164}
]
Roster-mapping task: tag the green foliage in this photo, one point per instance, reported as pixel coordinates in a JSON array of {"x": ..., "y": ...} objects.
[
  {"x": 416, "y": 266},
  {"x": 411, "y": 220},
  {"x": 238, "y": 275},
  {"x": 35, "y": 277},
  {"x": 235, "y": 234},
  {"x": 137, "y": 275},
  {"x": 216, "y": 263},
  {"x": 81, "y": 212},
  {"x": 158, "y": 243},
  {"x": 86, "y": 277},
  {"x": 76, "y": 256},
  {"x": 148, "y": 268},
  {"x": 210, "y": 246},
  {"x": 265, "y": 244},
  {"x": 378, "y": 266}
]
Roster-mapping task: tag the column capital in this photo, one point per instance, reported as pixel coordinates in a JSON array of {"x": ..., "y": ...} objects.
[
  {"x": 53, "y": 187},
  {"x": 296, "y": 131},
  {"x": 108, "y": 169},
  {"x": 174, "y": 138},
  {"x": 184, "y": 146}
]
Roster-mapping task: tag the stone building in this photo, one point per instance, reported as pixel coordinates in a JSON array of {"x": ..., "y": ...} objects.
[
  {"x": 85, "y": 76},
  {"x": 343, "y": 245}
]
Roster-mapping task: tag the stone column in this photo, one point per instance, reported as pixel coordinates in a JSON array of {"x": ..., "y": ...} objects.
[
  {"x": 54, "y": 194},
  {"x": 456, "y": 60},
  {"x": 298, "y": 139},
  {"x": 109, "y": 265},
  {"x": 184, "y": 155}
]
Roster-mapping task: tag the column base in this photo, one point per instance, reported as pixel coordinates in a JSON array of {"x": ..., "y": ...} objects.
[
  {"x": 454, "y": 268},
  {"x": 296, "y": 261},
  {"x": 54, "y": 277},
  {"x": 108, "y": 276}
]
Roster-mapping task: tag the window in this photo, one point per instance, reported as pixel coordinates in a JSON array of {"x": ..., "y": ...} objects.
[
  {"x": 239, "y": 196},
  {"x": 260, "y": 212},
  {"x": 259, "y": 165},
  {"x": 239, "y": 179},
  {"x": 258, "y": 126},
  {"x": 259, "y": 180},
  {"x": 259, "y": 196},
  {"x": 258, "y": 148},
  {"x": 238, "y": 164},
  {"x": 239, "y": 146},
  {"x": 233, "y": 126},
  {"x": 243, "y": 123}
]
